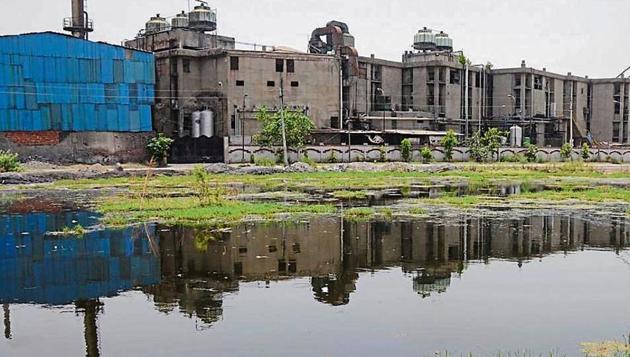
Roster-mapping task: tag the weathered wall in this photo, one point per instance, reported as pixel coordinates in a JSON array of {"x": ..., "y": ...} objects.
[
  {"x": 603, "y": 112},
  {"x": 340, "y": 153},
  {"x": 70, "y": 147}
]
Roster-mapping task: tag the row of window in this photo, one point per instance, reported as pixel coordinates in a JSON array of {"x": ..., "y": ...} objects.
[
  {"x": 280, "y": 64},
  {"x": 295, "y": 84}
]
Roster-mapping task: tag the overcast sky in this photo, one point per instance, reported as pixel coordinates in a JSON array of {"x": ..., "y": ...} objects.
[{"x": 586, "y": 37}]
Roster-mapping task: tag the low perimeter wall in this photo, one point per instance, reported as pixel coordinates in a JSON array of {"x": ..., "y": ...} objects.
[
  {"x": 249, "y": 153},
  {"x": 77, "y": 147}
]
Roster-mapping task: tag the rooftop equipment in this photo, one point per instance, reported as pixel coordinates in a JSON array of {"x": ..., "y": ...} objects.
[
  {"x": 424, "y": 40},
  {"x": 443, "y": 42},
  {"x": 156, "y": 24},
  {"x": 79, "y": 24},
  {"x": 203, "y": 18},
  {"x": 180, "y": 21}
]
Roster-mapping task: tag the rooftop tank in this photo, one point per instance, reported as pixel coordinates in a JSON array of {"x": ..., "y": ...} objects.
[
  {"x": 424, "y": 40},
  {"x": 443, "y": 42},
  {"x": 180, "y": 21},
  {"x": 203, "y": 18},
  {"x": 156, "y": 24}
]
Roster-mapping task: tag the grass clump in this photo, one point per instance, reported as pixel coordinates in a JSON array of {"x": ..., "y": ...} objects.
[
  {"x": 208, "y": 193},
  {"x": 76, "y": 231},
  {"x": 350, "y": 195},
  {"x": 264, "y": 161},
  {"x": 418, "y": 211},
  {"x": 359, "y": 214},
  {"x": 9, "y": 162}
]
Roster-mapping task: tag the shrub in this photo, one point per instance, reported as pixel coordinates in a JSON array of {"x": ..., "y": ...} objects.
[
  {"x": 586, "y": 152},
  {"x": 159, "y": 147},
  {"x": 332, "y": 158},
  {"x": 477, "y": 149},
  {"x": 264, "y": 161},
  {"x": 449, "y": 141},
  {"x": 9, "y": 162},
  {"x": 514, "y": 158},
  {"x": 532, "y": 152},
  {"x": 405, "y": 149},
  {"x": 427, "y": 155},
  {"x": 208, "y": 196},
  {"x": 383, "y": 154},
  {"x": 565, "y": 151},
  {"x": 307, "y": 160}
]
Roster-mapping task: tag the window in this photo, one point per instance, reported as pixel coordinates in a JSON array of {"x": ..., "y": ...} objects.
[
  {"x": 234, "y": 63},
  {"x": 240, "y": 83},
  {"x": 271, "y": 84},
  {"x": 295, "y": 84},
  {"x": 454, "y": 77},
  {"x": 186, "y": 65},
  {"x": 290, "y": 66},
  {"x": 280, "y": 65}
]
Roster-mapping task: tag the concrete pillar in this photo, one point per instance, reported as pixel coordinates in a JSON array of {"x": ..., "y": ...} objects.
[
  {"x": 540, "y": 134},
  {"x": 523, "y": 94},
  {"x": 436, "y": 92},
  {"x": 622, "y": 89}
]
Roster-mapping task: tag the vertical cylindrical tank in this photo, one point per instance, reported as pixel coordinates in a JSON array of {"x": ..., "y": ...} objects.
[
  {"x": 180, "y": 21},
  {"x": 207, "y": 123},
  {"x": 202, "y": 18},
  {"x": 443, "y": 42},
  {"x": 196, "y": 124},
  {"x": 424, "y": 40},
  {"x": 156, "y": 24},
  {"x": 516, "y": 136}
]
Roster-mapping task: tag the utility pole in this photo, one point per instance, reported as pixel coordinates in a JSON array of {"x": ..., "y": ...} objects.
[
  {"x": 466, "y": 98},
  {"x": 284, "y": 131},
  {"x": 571, "y": 117}
]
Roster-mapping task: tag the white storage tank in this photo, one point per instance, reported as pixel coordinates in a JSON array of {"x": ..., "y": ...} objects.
[
  {"x": 424, "y": 40},
  {"x": 207, "y": 123},
  {"x": 196, "y": 124},
  {"x": 516, "y": 136},
  {"x": 443, "y": 42}
]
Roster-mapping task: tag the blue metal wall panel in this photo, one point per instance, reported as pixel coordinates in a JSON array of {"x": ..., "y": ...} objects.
[{"x": 53, "y": 81}]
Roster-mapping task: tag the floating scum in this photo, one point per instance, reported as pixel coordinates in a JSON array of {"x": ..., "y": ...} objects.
[{"x": 52, "y": 81}]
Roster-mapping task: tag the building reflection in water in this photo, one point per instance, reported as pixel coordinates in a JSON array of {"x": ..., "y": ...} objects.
[
  {"x": 199, "y": 267},
  {"x": 189, "y": 271},
  {"x": 43, "y": 269}
]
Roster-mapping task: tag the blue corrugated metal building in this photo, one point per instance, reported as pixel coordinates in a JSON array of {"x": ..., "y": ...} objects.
[{"x": 51, "y": 81}]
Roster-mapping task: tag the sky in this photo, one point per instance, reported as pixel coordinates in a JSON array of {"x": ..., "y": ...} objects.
[{"x": 585, "y": 37}]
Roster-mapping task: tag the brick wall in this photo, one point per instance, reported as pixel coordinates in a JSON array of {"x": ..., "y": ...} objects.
[{"x": 34, "y": 138}]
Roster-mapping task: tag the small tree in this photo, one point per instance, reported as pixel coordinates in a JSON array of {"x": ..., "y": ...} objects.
[
  {"x": 9, "y": 162},
  {"x": 565, "y": 152},
  {"x": 586, "y": 152},
  {"x": 159, "y": 147},
  {"x": 476, "y": 148},
  {"x": 492, "y": 139},
  {"x": 405, "y": 149},
  {"x": 449, "y": 141},
  {"x": 427, "y": 155},
  {"x": 298, "y": 127},
  {"x": 532, "y": 152}
]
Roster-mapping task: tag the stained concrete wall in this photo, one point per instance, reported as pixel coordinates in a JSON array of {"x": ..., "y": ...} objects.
[{"x": 83, "y": 147}]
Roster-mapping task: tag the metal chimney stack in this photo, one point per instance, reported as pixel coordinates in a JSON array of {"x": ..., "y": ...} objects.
[{"x": 79, "y": 24}]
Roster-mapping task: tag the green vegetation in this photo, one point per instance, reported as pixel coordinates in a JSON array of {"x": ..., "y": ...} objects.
[
  {"x": 298, "y": 127},
  {"x": 586, "y": 152},
  {"x": 9, "y": 162},
  {"x": 208, "y": 193},
  {"x": 427, "y": 155},
  {"x": 449, "y": 141},
  {"x": 565, "y": 152},
  {"x": 350, "y": 195},
  {"x": 532, "y": 152},
  {"x": 417, "y": 211},
  {"x": 77, "y": 231},
  {"x": 382, "y": 154},
  {"x": 484, "y": 147},
  {"x": 405, "y": 149},
  {"x": 264, "y": 161},
  {"x": 159, "y": 147}
]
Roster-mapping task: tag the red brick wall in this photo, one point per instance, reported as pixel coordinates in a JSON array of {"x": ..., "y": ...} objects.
[{"x": 34, "y": 138}]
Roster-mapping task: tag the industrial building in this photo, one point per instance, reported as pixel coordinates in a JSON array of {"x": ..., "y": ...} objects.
[
  {"x": 65, "y": 98},
  {"x": 207, "y": 88}
]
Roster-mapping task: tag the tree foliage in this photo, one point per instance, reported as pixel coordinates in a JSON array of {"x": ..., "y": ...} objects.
[
  {"x": 449, "y": 141},
  {"x": 565, "y": 151},
  {"x": 405, "y": 149},
  {"x": 484, "y": 147},
  {"x": 159, "y": 147},
  {"x": 298, "y": 127}
]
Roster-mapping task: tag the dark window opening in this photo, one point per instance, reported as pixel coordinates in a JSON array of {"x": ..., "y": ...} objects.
[
  {"x": 271, "y": 84},
  {"x": 617, "y": 108},
  {"x": 273, "y": 249},
  {"x": 296, "y": 248},
  {"x": 238, "y": 268},
  {"x": 240, "y": 83},
  {"x": 233, "y": 122},
  {"x": 186, "y": 65},
  {"x": 279, "y": 65},
  {"x": 242, "y": 250},
  {"x": 454, "y": 77},
  {"x": 234, "y": 63},
  {"x": 290, "y": 66},
  {"x": 334, "y": 122},
  {"x": 295, "y": 84}
]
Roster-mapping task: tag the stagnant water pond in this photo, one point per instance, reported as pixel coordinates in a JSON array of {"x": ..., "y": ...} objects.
[{"x": 323, "y": 286}]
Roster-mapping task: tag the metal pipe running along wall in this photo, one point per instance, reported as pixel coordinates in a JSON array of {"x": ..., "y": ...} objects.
[{"x": 52, "y": 81}]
